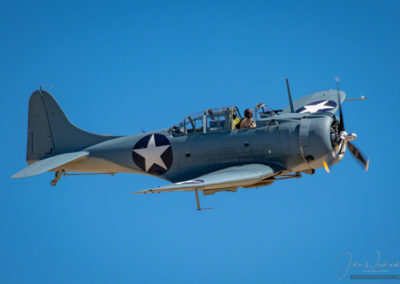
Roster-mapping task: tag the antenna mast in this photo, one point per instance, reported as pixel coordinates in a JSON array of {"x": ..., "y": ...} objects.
[{"x": 290, "y": 96}]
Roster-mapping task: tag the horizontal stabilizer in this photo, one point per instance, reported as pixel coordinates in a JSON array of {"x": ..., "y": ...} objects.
[
  {"x": 48, "y": 164},
  {"x": 232, "y": 177}
]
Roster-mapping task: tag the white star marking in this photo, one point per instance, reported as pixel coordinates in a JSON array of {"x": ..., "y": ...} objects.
[
  {"x": 152, "y": 154},
  {"x": 317, "y": 107}
]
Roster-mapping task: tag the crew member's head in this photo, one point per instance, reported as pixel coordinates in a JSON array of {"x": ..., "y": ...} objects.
[{"x": 248, "y": 113}]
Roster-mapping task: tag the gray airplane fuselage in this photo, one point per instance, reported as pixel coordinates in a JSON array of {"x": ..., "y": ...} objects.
[{"x": 288, "y": 143}]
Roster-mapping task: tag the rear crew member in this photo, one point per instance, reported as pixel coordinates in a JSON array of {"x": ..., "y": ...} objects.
[{"x": 247, "y": 121}]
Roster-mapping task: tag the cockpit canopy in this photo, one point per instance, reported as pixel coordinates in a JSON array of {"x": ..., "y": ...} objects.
[
  {"x": 264, "y": 111},
  {"x": 209, "y": 121},
  {"x": 218, "y": 120}
]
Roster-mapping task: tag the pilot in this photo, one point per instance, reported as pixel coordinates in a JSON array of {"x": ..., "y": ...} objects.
[{"x": 247, "y": 121}]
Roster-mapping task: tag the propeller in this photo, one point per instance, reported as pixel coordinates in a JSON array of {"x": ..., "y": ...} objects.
[
  {"x": 357, "y": 154},
  {"x": 345, "y": 139}
]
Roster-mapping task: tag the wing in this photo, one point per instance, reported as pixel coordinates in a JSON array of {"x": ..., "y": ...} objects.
[
  {"x": 49, "y": 164},
  {"x": 325, "y": 101},
  {"x": 229, "y": 178}
]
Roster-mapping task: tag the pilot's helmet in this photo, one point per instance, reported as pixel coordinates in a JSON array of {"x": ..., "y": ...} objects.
[{"x": 248, "y": 113}]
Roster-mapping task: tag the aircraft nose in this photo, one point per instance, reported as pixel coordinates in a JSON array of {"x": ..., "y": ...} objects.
[{"x": 315, "y": 139}]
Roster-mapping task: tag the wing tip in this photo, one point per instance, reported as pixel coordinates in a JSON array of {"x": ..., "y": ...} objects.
[
  {"x": 15, "y": 176},
  {"x": 143, "y": 191},
  {"x": 20, "y": 174}
]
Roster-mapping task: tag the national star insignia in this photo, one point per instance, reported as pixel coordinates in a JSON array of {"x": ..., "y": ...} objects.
[
  {"x": 316, "y": 107},
  {"x": 152, "y": 154}
]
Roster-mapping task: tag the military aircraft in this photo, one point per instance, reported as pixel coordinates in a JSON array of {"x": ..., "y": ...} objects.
[{"x": 205, "y": 152}]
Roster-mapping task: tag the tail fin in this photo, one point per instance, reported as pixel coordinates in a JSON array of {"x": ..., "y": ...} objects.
[{"x": 51, "y": 133}]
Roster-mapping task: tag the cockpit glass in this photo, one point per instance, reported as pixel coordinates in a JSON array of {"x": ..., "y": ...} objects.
[
  {"x": 215, "y": 120},
  {"x": 265, "y": 111},
  {"x": 191, "y": 124}
]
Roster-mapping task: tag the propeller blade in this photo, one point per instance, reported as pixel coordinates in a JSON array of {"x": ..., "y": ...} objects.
[
  {"x": 357, "y": 154},
  {"x": 326, "y": 167},
  {"x": 341, "y": 124},
  {"x": 328, "y": 161}
]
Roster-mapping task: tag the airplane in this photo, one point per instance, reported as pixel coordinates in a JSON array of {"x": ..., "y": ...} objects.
[{"x": 205, "y": 152}]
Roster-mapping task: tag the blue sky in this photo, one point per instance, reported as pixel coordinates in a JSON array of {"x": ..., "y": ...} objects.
[{"x": 116, "y": 67}]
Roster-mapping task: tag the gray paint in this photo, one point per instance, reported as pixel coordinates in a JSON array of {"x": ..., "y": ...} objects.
[
  {"x": 285, "y": 143},
  {"x": 50, "y": 132}
]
